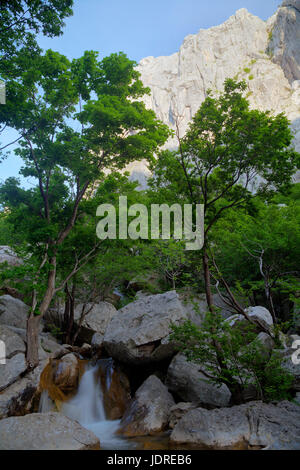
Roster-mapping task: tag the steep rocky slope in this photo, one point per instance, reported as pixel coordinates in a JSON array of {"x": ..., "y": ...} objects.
[{"x": 266, "y": 54}]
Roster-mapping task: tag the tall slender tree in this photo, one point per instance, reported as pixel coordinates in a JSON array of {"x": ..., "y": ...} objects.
[{"x": 82, "y": 119}]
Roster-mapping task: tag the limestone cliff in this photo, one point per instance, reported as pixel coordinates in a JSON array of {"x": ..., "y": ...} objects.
[{"x": 266, "y": 54}]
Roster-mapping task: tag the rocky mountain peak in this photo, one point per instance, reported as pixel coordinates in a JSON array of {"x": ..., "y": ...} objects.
[{"x": 264, "y": 53}]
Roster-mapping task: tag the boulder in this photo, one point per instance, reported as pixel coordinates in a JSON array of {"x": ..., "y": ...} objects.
[
  {"x": 7, "y": 255},
  {"x": 11, "y": 371},
  {"x": 178, "y": 411},
  {"x": 189, "y": 384},
  {"x": 13, "y": 312},
  {"x": 149, "y": 411},
  {"x": 22, "y": 396},
  {"x": 49, "y": 344},
  {"x": 289, "y": 365},
  {"x": 196, "y": 307},
  {"x": 139, "y": 334},
  {"x": 267, "y": 343},
  {"x": 97, "y": 342},
  {"x": 260, "y": 314},
  {"x": 96, "y": 321},
  {"x": 13, "y": 342},
  {"x": 45, "y": 431},
  {"x": 253, "y": 425},
  {"x": 66, "y": 373}
]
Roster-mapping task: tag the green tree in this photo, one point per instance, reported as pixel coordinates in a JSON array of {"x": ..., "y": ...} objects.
[
  {"x": 260, "y": 251},
  {"x": 20, "y": 23},
  {"x": 22, "y": 20},
  {"x": 84, "y": 118},
  {"x": 246, "y": 361},
  {"x": 229, "y": 155}
]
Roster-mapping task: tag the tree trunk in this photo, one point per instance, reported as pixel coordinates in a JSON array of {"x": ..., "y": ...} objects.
[
  {"x": 69, "y": 313},
  {"x": 207, "y": 282},
  {"x": 33, "y": 322},
  {"x": 32, "y": 339}
]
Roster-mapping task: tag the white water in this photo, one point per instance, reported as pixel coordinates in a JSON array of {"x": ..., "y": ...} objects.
[
  {"x": 46, "y": 404},
  {"x": 87, "y": 408}
]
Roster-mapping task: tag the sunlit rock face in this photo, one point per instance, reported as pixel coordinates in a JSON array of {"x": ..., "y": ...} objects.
[
  {"x": 265, "y": 54},
  {"x": 285, "y": 39}
]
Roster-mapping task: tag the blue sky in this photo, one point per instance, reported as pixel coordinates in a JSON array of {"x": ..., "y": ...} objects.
[
  {"x": 139, "y": 28},
  {"x": 145, "y": 27}
]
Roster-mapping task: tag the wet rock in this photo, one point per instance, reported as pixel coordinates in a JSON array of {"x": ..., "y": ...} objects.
[
  {"x": 253, "y": 425},
  {"x": 149, "y": 411},
  {"x": 140, "y": 332},
  {"x": 66, "y": 373},
  {"x": 45, "y": 431},
  {"x": 115, "y": 389},
  {"x": 185, "y": 379}
]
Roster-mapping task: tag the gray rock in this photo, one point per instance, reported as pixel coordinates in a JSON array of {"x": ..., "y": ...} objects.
[
  {"x": 45, "y": 431},
  {"x": 13, "y": 342},
  {"x": 149, "y": 411},
  {"x": 291, "y": 3},
  {"x": 196, "y": 307},
  {"x": 179, "y": 82},
  {"x": 96, "y": 321},
  {"x": 289, "y": 365},
  {"x": 19, "y": 398},
  {"x": 285, "y": 40},
  {"x": 259, "y": 314},
  {"x": 178, "y": 411},
  {"x": 254, "y": 425},
  {"x": 267, "y": 342},
  {"x": 49, "y": 344},
  {"x": 185, "y": 379},
  {"x": 97, "y": 341},
  {"x": 7, "y": 255},
  {"x": 13, "y": 312},
  {"x": 140, "y": 332},
  {"x": 12, "y": 370}
]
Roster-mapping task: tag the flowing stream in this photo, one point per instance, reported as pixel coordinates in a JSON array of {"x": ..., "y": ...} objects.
[{"x": 87, "y": 408}]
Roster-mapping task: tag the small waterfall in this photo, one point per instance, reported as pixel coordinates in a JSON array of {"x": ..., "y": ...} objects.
[
  {"x": 87, "y": 408},
  {"x": 46, "y": 404},
  {"x": 87, "y": 405}
]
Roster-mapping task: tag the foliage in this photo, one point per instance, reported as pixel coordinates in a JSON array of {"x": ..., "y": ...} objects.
[
  {"x": 22, "y": 20},
  {"x": 262, "y": 245},
  {"x": 229, "y": 156},
  {"x": 246, "y": 360}
]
